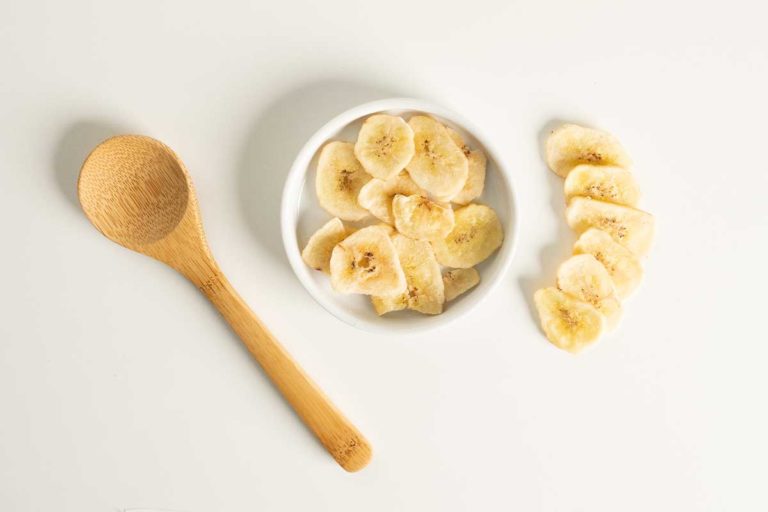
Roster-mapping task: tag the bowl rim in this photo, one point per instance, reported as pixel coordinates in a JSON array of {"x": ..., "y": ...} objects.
[{"x": 291, "y": 199}]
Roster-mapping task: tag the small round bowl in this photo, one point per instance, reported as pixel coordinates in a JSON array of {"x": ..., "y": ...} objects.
[{"x": 301, "y": 215}]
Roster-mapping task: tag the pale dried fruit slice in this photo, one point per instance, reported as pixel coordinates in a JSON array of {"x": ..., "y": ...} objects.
[
  {"x": 603, "y": 182},
  {"x": 339, "y": 180},
  {"x": 476, "y": 234},
  {"x": 473, "y": 187},
  {"x": 568, "y": 323},
  {"x": 384, "y": 145},
  {"x": 570, "y": 145},
  {"x": 317, "y": 252},
  {"x": 376, "y": 195},
  {"x": 623, "y": 266},
  {"x": 384, "y": 304},
  {"x": 366, "y": 262},
  {"x": 425, "y": 291},
  {"x": 458, "y": 280},
  {"x": 630, "y": 227},
  {"x": 438, "y": 166},
  {"x": 421, "y": 218},
  {"x": 587, "y": 279}
]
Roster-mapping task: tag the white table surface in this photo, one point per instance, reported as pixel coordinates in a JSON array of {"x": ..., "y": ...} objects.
[{"x": 121, "y": 388}]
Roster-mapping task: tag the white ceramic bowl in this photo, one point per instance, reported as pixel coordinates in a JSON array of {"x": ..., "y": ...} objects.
[{"x": 301, "y": 215}]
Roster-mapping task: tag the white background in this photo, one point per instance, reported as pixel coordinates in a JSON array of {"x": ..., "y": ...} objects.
[{"x": 120, "y": 387}]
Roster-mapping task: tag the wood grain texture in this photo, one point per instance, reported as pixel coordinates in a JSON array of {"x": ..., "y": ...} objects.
[{"x": 137, "y": 192}]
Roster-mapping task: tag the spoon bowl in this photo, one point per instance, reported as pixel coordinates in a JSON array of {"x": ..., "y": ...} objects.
[
  {"x": 134, "y": 190},
  {"x": 137, "y": 192}
]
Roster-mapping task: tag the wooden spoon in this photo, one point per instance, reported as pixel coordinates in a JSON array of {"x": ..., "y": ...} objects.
[{"x": 137, "y": 192}]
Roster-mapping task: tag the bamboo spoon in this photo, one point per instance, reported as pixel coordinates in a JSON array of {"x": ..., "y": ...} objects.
[{"x": 137, "y": 192}]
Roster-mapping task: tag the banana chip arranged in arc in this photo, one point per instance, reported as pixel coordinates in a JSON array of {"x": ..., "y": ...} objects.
[
  {"x": 438, "y": 165},
  {"x": 568, "y": 323},
  {"x": 376, "y": 195},
  {"x": 339, "y": 180},
  {"x": 458, "y": 281},
  {"x": 623, "y": 266},
  {"x": 476, "y": 234},
  {"x": 570, "y": 145},
  {"x": 603, "y": 182},
  {"x": 366, "y": 262},
  {"x": 630, "y": 227},
  {"x": 601, "y": 194},
  {"x": 317, "y": 252},
  {"x": 585, "y": 278},
  {"x": 384, "y": 145},
  {"x": 425, "y": 290},
  {"x": 473, "y": 187},
  {"x": 421, "y": 218}
]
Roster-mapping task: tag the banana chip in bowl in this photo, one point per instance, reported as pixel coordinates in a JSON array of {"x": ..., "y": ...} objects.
[{"x": 398, "y": 216}]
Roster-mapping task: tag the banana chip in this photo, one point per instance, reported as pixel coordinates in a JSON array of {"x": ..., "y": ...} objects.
[
  {"x": 473, "y": 187},
  {"x": 602, "y": 182},
  {"x": 476, "y": 234},
  {"x": 632, "y": 228},
  {"x": 376, "y": 195},
  {"x": 425, "y": 290},
  {"x": 438, "y": 166},
  {"x": 317, "y": 253},
  {"x": 568, "y": 323},
  {"x": 570, "y": 145},
  {"x": 366, "y": 262},
  {"x": 384, "y": 145},
  {"x": 421, "y": 218},
  {"x": 458, "y": 280},
  {"x": 339, "y": 180}
]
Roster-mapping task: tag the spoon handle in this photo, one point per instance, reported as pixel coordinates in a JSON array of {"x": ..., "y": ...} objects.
[{"x": 337, "y": 434}]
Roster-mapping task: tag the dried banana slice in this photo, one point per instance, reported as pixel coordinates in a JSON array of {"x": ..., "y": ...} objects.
[
  {"x": 339, "y": 180},
  {"x": 602, "y": 182},
  {"x": 366, "y": 262},
  {"x": 421, "y": 218},
  {"x": 384, "y": 145},
  {"x": 630, "y": 227},
  {"x": 473, "y": 188},
  {"x": 568, "y": 323},
  {"x": 476, "y": 234},
  {"x": 623, "y": 266},
  {"x": 376, "y": 195},
  {"x": 570, "y": 145},
  {"x": 384, "y": 304},
  {"x": 317, "y": 253},
  {"x": 585, "y": 278},
  {"x": 425, "y": 291},
  {"x": 458, "y": 280},
  {"x": 438, "y": 166}
]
